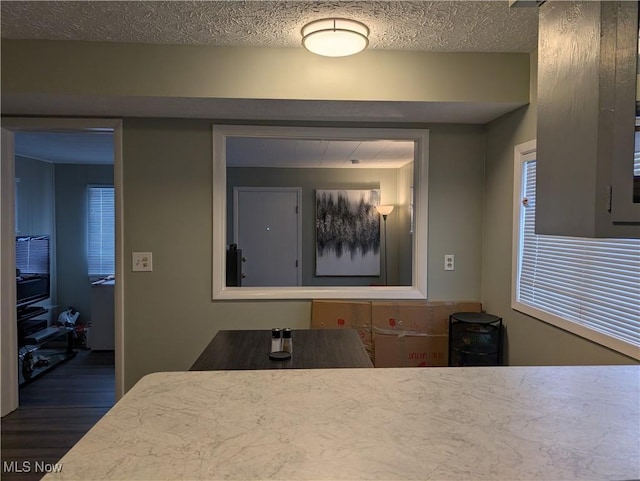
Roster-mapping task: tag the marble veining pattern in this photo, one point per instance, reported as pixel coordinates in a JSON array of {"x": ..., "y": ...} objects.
[{"x": 504, "y": 423}]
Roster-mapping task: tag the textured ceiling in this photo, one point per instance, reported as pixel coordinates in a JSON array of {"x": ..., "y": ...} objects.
[{"x": 444, "y": 26}]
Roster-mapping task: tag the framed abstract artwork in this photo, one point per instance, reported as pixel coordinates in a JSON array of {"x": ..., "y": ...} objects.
[{"x": 347, "y": 233}]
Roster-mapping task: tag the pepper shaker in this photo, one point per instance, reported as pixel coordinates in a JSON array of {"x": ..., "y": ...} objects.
[{"x": 287, "y": 344}]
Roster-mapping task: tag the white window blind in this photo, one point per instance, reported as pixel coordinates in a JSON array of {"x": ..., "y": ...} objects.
[
  {"x": 593, "y": 283},
  {"x": 101, "y": 244}
]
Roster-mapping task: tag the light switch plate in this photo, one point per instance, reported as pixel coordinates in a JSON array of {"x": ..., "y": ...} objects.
[{"x": 141, "y": 261}]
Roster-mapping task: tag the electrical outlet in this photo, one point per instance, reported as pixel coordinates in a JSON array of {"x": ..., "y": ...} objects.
[
  {"x": 141, "y": 261},
  {"x": 449, "y": 262}
]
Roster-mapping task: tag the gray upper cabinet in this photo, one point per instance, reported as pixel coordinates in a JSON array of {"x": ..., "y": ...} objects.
[{"x": 587, "y": 55}]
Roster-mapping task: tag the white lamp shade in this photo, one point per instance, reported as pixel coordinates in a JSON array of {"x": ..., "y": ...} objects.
[
  {"x": 335, "y": 37},
  {"x": 384, "y": 209}
]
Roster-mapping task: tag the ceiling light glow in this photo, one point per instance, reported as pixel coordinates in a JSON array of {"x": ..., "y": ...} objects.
[{"x": 335, "y": 37}]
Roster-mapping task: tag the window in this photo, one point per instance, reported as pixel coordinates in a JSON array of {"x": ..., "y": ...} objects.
[
  {"x": 223, "y": 139},
  {"x": 101, "y": 235},
  {"x": 590, "y": 287}
]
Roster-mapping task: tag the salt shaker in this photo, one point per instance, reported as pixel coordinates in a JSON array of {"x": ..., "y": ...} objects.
[
  {"x": 287, "y": 344},
  {"x": 276, "y": 340}
]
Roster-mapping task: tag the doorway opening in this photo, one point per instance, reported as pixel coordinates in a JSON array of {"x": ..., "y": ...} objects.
[
  {"x": 65, "y": 194},
  {"x": 55, "y": 163}
]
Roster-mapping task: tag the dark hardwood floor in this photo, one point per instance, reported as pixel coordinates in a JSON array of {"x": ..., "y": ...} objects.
[{"x": 55, "y": 411}]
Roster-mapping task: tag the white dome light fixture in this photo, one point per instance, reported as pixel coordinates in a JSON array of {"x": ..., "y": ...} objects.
[{"x": 335, "y": 37}]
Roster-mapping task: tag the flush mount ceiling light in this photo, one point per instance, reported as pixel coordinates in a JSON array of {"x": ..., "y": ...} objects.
[{"x": 335, "y": 37}]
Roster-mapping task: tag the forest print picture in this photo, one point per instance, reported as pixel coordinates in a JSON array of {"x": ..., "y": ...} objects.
[{"x": 347, "y": 233}]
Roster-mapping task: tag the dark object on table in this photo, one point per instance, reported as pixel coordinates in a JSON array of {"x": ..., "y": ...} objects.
[{"x": 280, "y": 356}]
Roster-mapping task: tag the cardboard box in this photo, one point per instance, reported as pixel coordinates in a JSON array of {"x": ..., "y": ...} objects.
[
  {"x": 416, "y": 350},
  {"x": 414, "y": 333},
  {"x": 395, "y": 334},
  {"x": 344, "y": 315},
  {"x": 428, "y": 317},
  {"x": 404, "y": 316}
]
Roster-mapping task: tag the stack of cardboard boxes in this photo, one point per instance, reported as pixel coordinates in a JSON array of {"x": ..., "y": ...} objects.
[
  {"x": 345, "y": 315},
  {"x": 395, "y": 334}
]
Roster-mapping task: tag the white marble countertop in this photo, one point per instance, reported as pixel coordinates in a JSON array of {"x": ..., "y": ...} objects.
[{"x": 502, "y": 423}]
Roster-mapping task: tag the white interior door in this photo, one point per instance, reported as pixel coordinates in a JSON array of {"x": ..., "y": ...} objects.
[
  {"x": 9, "y": 359},
  {"x": 267, "y": 229}
]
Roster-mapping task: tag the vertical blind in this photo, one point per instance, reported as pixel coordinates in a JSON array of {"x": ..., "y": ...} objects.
[
  {"x": 592, "y": 282},
  {"x": 101, "y": 244}
]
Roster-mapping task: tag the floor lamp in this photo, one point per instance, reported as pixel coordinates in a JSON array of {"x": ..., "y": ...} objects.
[{"x": 384, "y": 211}]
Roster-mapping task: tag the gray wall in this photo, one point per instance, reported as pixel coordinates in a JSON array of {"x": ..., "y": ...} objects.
[
  {"x": 311, "y": 179},
  {"x": 74, "y": 288},
  {"x": 456, "y": 175},
  {"x": 52, "y": 199},
  {"x": 120, "y": 70},
  {"x": 169, "y": 314},
  {"x": 34, "y": 196},
  {"x": 529, "y": 341},
  {"x": 35, "y": 207}
]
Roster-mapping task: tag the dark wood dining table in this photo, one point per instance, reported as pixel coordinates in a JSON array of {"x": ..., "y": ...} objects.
[{"x": 312, "y": 349}]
